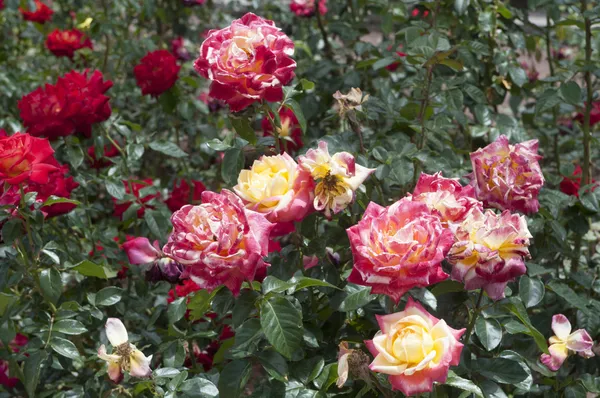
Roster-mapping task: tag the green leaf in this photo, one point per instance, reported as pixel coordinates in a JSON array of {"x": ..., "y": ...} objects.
[
  {"x": 475, "y": 93},
  {"x": 500, "y": 370},
  {"x": 232, "y": 164},
  {"x": 51, "y": 284},
  {"x": 460, "y": 6},
  {"x": 455, "y": 64},
  {"x": 272, "y": 284},
  {"x": 244, "y": 304},
  {"x": 109, "y": 296},
  {"x": 31, "y": 371},
  {"x": 69, "y": 326},
  {"x": 297, "y": 109},
  {"x": 52, "y": 200},
  {"x": 569, "y": 295},
  {"x": 281, "y": 323},
  {"x": 356, "y": 297},
  {"x": 200, "y": 303},
  {"x": 489, "y": 332},
  {"x": 11, "y": 230},
  {"x": 517, "y": 75},
  {"x": 234, "y": 377},
  {"x": 168, "y": 148},
  {"x": 151, "y": 222},
  {"x": 274, "y": 364},
  {"x": 244, "y": 129},
  {"x": 571, "y": 92},
  {"x": 515, "y": 306},
  {"x": 177, "y": 309},
  {"x": 492, "y": 390},
  {"x": 302, "y": 282},
  {"x": 116, "y": 189},
  {"x": 447, "y": 287},
  {"x": 307, "y": 85},
  {"x": 531, "y": 291},
  {"x": 75, "y": 155},
  {"x": 64, "y": 347},
  {"x": 463, "y": 384},
  {"x": 89, "y": 268},
  {"x": 199, "y": 388},
  {"x": 6, "y": 300},
  {"x": 548, "y": 100}
]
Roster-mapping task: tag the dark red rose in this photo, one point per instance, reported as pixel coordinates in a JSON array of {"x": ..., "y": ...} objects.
[
  {"x": 178, "y": 48},
  {"x": 182, "y": 195},
  {"x": 594, "y": 114},
  {"x": 189, "y": 3},
  {"x": 42, "y": 13},
  {"x": 58, "y": 185},
  {"x": 186, "y": 288},
  {"x": 24, "y": 158},
  {"x": 392, "y": 67},
  {"x": 122, "y": 274},
  {"x": 120, "y": 208},
  {"x": 15, "y": 346},
  {"x": 532, "y": 73},
  {"x": 156, "y": 73},
  {"x": 110, "y": 151},
  {"x": 571, "y": 186},
  {"x": 1, "y": 4},
  {"x": 290, "y": 134},
  {"x": 72, "y": 105},
  {"x": 64, "y": 43}
]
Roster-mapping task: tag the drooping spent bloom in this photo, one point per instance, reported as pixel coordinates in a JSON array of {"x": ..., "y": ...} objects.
[
  {"x": 248, "y": 61},
  {"x": 508, "y": 177},
  {"x": 564, "y": 342},
  {"x": 594, "y": 115},
  {"x": 446, "y": 197},
  {"x": 214, "y": 105},
  {"x": 58, "y": 185},
  {"x": 352, "y": 362},
  {"x": 125, "y": 356},
  {"x": 489, "y": 251},
  {"x": 571, "y": 185},
  {"x": 398, "y": 247},
  {"x": 220, "y": 241},
  {"x": 290, "y": 133},
  {"x": 24, "y": 158},
  {"x": 276, "y": 187},
  {"x": 352, "y": 101},
  {"x": 532, "y": 73},
  {"x": 179, "y": 50},
  {"x": 41, "y": 14},
  {"x": 182, "y": 194},
  {"x": 307, "y": 8},
  {"x": 156, "y": 73},
  {"x": 134, "y": 187},
  {"x": 73, "y": 104},
  {"x": 415, "y": 349},
  {"x": 140, "y": 251},
  {"x": 337, "y": 178},
  {"x": 64, "y": 43},
  {"x": 15, "y": 346}
]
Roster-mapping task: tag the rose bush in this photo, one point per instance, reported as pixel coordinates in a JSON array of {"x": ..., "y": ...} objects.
[{"x": 302, "y": 198}]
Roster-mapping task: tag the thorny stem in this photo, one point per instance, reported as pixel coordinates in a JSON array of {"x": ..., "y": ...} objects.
[
  {"x": 554, "y": 110},
  {"x": 586, "y": 176},
  {"x": 474, "y": 315},
  {"x": 355, "y": 126}
]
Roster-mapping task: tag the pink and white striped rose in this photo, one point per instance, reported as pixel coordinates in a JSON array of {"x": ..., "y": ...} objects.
[{"x": 563, "y": 342}]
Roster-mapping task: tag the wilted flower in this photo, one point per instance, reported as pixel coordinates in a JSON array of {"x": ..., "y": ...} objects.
[
  {"x": 220, "y": 241},
  {"x": 135, "y": 186},
  {"x": 248, "y": 61},
  {"x": 156, "y": 73},
  {"x": 24, "y": 158},
  {"x": 446, "y": 197},
  {"x": 508, "y": 177},
  {"x": 337, "y": 178},
  {"x": 64, "y": 43},
  {"x": 398, "y": 247},
  {"x": 415, "y": 348},
  {"x": 178, "y": 48},
  {"x": 351, "y": 362},
  {"x": 564, "y": 341},
  {"x": 276, "y": 187},
  {"x": 41, "y": 14},
  {"x": 290, "y": 133},
  {"x": 306, "y": 8},
  {"x": 182, "y": 194},
  {"x": 125, "y": 356},
  {"x": 532, "y": 73},
  {"x": 352, "y": 101},
  {"x": 140, "y": 251},
  {"x": 489, "y": 251}
]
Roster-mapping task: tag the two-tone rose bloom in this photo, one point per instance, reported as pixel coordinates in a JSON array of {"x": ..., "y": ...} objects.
[
  {"x": 64, "y": 43},
  {"x": 24, "y": 158},
  {"x": 247, "y": 62},
  {"x": 337, "y": 178},
  {"x": 490, "y": 250},
  {"x": 277, "y": 187},
  {"x": 415, "y": 349},
  {"x": 140, "y": 251},
  {"x": 220, "y": 242},
  {"x": 157, "y": 72},
  {"x": 125, "y": 356},
  {"x": 508, "y": 177},
  {"x": 398, "y": 247},
  {"x": 290, "y": 133},
  {"x": 564, "y": 342}
]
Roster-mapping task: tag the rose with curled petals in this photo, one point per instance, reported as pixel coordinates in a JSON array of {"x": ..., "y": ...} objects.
[
  {"x": 415, "y": 349},
  {"x": 398, "y": 247},
  {"x": 508, "y": 177},
  {"x": 564, "y": 342},
  {"x": 220, "y": 242},
  {"x": 64, "y": 43},
  {"x": 247, "y": 62},
  {"x": 489, "y": 251}
]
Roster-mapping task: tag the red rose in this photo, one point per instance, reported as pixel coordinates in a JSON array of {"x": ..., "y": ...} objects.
[
  {"x": 1, "y": 4},
  {"x": 120, "y": 208},
  {"x": 42, "y": 13},
  {"x": 393, "y": 66},
  {"x": 110, "y": 151},
  {"x": 156, "y": 73},
  {"x": 58, "y": 185},
  {"x": 72, "y": 105},
  {"x": 64, "y": 43},
  {"x": 15, "y": 346},
  {"x": 571, "y": 186},
  {"x": 248, "y": 61},
  {"x": 290, "y": 133},
  {"x": 181, "y": 195},
  {"x": 23, "y": 157},
  {"x": 189, "y": 3},
  {"x": 594, "y": 114},
  {"x": 306, "y": 8},
  {"x": 178, "y": 48}
]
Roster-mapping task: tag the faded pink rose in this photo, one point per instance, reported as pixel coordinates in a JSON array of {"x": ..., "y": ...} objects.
[
  {"x": 415, "y": 349},
  {"x": 141, "y": 251},
  {"x": 398, "y": 247},
  {"x": 489, "y": 251},
  {"x": 446, "y": 197},
  {"x": 508, "y": 177},
  {"x": 220, "y": 241},
  {"x": 248, "y": 61},
  {"x": 564, "y": 341}
]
